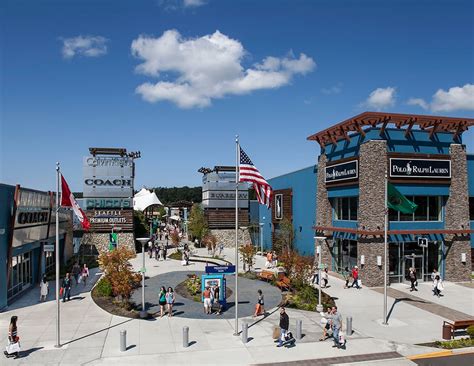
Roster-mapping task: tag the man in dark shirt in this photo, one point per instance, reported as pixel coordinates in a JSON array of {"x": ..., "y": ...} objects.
[{"x": 284, "y": 325}]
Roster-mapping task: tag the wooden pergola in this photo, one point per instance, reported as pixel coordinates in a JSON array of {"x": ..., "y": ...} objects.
[{"x": 360, "y": 123}]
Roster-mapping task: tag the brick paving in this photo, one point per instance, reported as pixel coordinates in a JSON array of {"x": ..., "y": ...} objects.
[
  {"x": 339, "y": 360},
  {"x": 429, "y": 306}
]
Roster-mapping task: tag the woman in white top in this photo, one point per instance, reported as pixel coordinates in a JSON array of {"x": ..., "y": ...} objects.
[
  {"x": 44, "y": 288},
  {"x": 437, "y": 286}
]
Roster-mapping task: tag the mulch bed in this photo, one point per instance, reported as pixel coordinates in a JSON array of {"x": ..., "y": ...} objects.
[{"x": 108, "y": 305}]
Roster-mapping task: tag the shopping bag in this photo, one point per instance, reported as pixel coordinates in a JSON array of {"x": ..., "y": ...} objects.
[
  {"x": 61, "y": 291},
  {"x": 79, "y": 280},
  {"x": 342, "y": 338},
  {"x": 276, "y": 332},
  {"x": 359, "y": 282},
  {"x": 13, "y": 347}
]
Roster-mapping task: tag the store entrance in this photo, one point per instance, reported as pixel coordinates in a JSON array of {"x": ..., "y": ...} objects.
[{"x": 414, "y": 261}]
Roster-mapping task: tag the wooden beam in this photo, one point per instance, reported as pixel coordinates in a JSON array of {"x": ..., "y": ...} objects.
[
  {"x": 346, "y": 136},
  {"x": 461, "y": 128},
  {"x": 385, "y": 123},
  {"x": 410, "y": 126},
  {"x": 361, "y": 131},
  {"x": 333, "y": 139},
  {"x": 435, "y": 127}
]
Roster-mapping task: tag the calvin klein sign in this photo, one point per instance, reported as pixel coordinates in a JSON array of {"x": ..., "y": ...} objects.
[
  {"x": 342, "y": 171},
  {"x": 420, "y": 168}
]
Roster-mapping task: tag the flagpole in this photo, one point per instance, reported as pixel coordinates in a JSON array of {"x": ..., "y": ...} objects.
[
  {"x": 236, "y": 330},
  {"x": 58, "y": 337},
  {"x": 385, "y": 254}
]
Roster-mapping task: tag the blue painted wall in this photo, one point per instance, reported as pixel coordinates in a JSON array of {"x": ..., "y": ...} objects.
[
  {"x": 303, "y": 184},
  {"x": 6, "y": 206}
]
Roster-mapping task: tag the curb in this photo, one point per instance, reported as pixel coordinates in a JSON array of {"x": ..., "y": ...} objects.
[{"x": 445, "y": 353}]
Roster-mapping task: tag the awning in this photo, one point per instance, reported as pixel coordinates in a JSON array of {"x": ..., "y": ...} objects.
[
  {"x": 175, "y": 218},
  {"x": 145, "y": 199}
]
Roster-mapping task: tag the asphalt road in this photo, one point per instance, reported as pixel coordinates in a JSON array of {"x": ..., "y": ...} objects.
[{"x": 456, "y": 360}]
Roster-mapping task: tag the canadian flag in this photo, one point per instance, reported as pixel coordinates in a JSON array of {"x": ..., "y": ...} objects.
[{"x": 68, "y": 200}]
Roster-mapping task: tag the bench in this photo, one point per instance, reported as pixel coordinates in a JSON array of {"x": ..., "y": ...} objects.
[
  {"x": 458, "y": 325},
  {"x": 266, "y": 275},
  {"x": 283, "y": 282}
]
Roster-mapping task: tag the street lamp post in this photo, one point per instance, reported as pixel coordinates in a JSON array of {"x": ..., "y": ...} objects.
[
  {"x": 143, "y": 312},
  {"x": 319, "y": 239}
]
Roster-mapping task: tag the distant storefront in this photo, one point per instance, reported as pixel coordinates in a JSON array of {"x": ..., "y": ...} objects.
[
  {"x": 424, "y": 159},
  {"x": 27, "y": 238}
]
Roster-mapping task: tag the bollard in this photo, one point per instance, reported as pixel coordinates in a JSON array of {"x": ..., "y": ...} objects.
[
  {"x": 245, "y": 332},
  {"x": 123, "y": 340},
  {"x": 299, "y": 329},
  {"x": 349, "y": 325},
  {"x": 185, "y": 337}
]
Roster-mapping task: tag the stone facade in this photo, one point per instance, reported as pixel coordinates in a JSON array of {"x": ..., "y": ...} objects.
[
  {"x": 323, "y": 213},
  {"x": 101, "y": 241},
  {"x": 372, "y": 170},
  {"x": 457, "y": 217},
  {"x": 227, "y": 237}
]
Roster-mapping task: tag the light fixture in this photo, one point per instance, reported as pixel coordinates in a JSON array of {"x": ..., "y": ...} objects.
[{"x": 362, "y": 259}]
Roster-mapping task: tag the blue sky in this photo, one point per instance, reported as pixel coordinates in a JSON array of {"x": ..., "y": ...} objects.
[{"x": 178, "y": 79}]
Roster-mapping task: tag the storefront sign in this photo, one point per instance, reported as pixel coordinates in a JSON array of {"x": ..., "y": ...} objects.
[
  {"x": 48, "y": 247},
  {"x": 106, "y": 220},
  {"x": 278, "y": 206},
  {"x": 420, "y": 168},
  {"x": 92, "y": 203},
  {"x": 342, "y": 171}
]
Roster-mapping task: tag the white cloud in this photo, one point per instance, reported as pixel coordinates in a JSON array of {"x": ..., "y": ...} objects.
[
  {"x": 194, "y": 3},
  {"x": 419, "y": 102},
  {"x": 89, "y": 46},
  {"x": 454, "y": 99},
  {"x": 336, "y": 89},
  {"x": 381, "y": 98},
  {"x": 207, "y": 68}
]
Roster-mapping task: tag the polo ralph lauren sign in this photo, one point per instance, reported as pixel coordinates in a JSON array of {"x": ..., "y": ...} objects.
[
  {"x": 342, "y": 171},
  {"x": 420, "y": 168}
]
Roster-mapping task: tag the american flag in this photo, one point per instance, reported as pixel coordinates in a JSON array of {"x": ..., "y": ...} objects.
[{"x": 249, "y": 173}]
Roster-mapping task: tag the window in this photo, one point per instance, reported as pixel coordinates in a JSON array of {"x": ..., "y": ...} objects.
[
  {"x": 345, "y": 208},
  {"x": 471, "y": 208},
  {"x": 429, "y": 209}
]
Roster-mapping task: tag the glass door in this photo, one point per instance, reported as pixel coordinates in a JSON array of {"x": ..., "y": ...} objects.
[{"x": 414, "y": 261}]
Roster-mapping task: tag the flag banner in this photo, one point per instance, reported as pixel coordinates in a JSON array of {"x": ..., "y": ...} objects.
[
  {"x": 249, "y": 173},
  {"x": 68, "y": 200},
  {"x": 398, "y": 202}
]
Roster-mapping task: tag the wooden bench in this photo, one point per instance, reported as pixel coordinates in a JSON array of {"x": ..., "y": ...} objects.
[
  {"x": 283, "y": 282},
  {"x": 458, "y": 325},
  {"x": 266, "y": 275}
]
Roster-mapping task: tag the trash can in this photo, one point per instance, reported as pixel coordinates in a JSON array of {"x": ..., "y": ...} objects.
[{"x": 447, "y": 332}]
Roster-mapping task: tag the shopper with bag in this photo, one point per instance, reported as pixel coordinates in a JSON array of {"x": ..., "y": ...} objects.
[
  {"x": 284, "y": 325},
  {"x": 13, "y": 347},
  {"x": 336, "y": 324},
  {"x": 66, "y": 288},
  {"x": 437, "y": 286},
  {"x": 413, "y": 279},
  {"x": 355, "y": 276},
  {"x": 326, "y": 323},
  {"x": 259, "y": 309},
  {"x": 84, "y": 274},
  {"x": 44, "y": 289}
]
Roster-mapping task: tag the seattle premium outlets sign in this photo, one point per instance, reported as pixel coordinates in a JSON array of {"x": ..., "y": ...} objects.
[
  {"x": 342, "y": 171},
  {"x": 420, "y": 168}
]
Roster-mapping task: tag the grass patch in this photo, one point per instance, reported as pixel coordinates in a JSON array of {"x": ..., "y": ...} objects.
[
  {"x": 456, "y": 343},
  {"x": 178, "y": 255}
]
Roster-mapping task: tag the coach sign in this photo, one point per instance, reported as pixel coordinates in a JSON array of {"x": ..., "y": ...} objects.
[
  {"x": 342, "y": 171},
  {"x": 420, "y": 168}
]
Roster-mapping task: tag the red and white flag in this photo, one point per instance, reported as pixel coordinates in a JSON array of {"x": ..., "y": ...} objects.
[
  {"x": 249, "y": 173},
  {"x": 68, "y": 200}
]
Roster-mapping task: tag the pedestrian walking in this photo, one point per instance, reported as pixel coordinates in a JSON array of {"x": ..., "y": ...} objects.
[
  {"x": 216, "y": 294},
  {"x": 150, "y": 249},
  {"x": 13, "y": 348},
  {"x": 336, "y": 325},
  {"x": 44, "y": 288},
  {"x": 207, "y": 300},
  {"x": 269, "y": 261},
  {"x": 170, "y": 301},
  {"x": 315, "y": 279},
  {"x": 327, "y": 324},
  {"x": 434, "y": 274},
  {"x": 165, "y": 252},
  {"x": 438, "y": 286},
  {"x": 76, "y": 270},
  {"x": 284, "y": 325},
  {"x": 413, "y": 279},
  {"x": 66, "y": 287},
  {"x": 259, "y": 306},
  {"x": 346, "y": 274},
  {"x": 355, "y": 276},
  {"x": 324, "y": 278},
  {"x": 162, "y": 300},
  {"x": 84, "y": 274},
  {"x": 221, "y": 248}
]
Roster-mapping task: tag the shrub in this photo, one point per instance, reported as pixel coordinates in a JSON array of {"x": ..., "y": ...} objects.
[
  {"x": 456, "y": 343},
  {"x": 210, "y": 241},
  {"x": 470, "y": 331},
  {"x": 193, "y": 285},
  {"x": 299, "y": 268},
  {"x": 103, "y": 288},
  {"x": 118, "y": 271},
  {"x": 174, "y": 236}
]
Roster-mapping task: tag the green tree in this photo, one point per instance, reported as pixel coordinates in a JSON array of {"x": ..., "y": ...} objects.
[
  {"x": 141, "y": 226},
  {"x": 197, "y": 225},
  {"x": 247, "y": 252},
  {"x": 284, "y": 236}
]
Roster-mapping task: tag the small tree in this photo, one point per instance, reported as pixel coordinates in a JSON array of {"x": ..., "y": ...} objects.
[
  {"x": 174, "y": 238},
  {"x": 248, "y": 256},
  {"x": 197, "y": 225},
  {"x": 210, "y": 241},
  {"x": 118, "y": 271},
  {"x": 299, "y": 268},
  {"x": 284, "y": 236}
]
